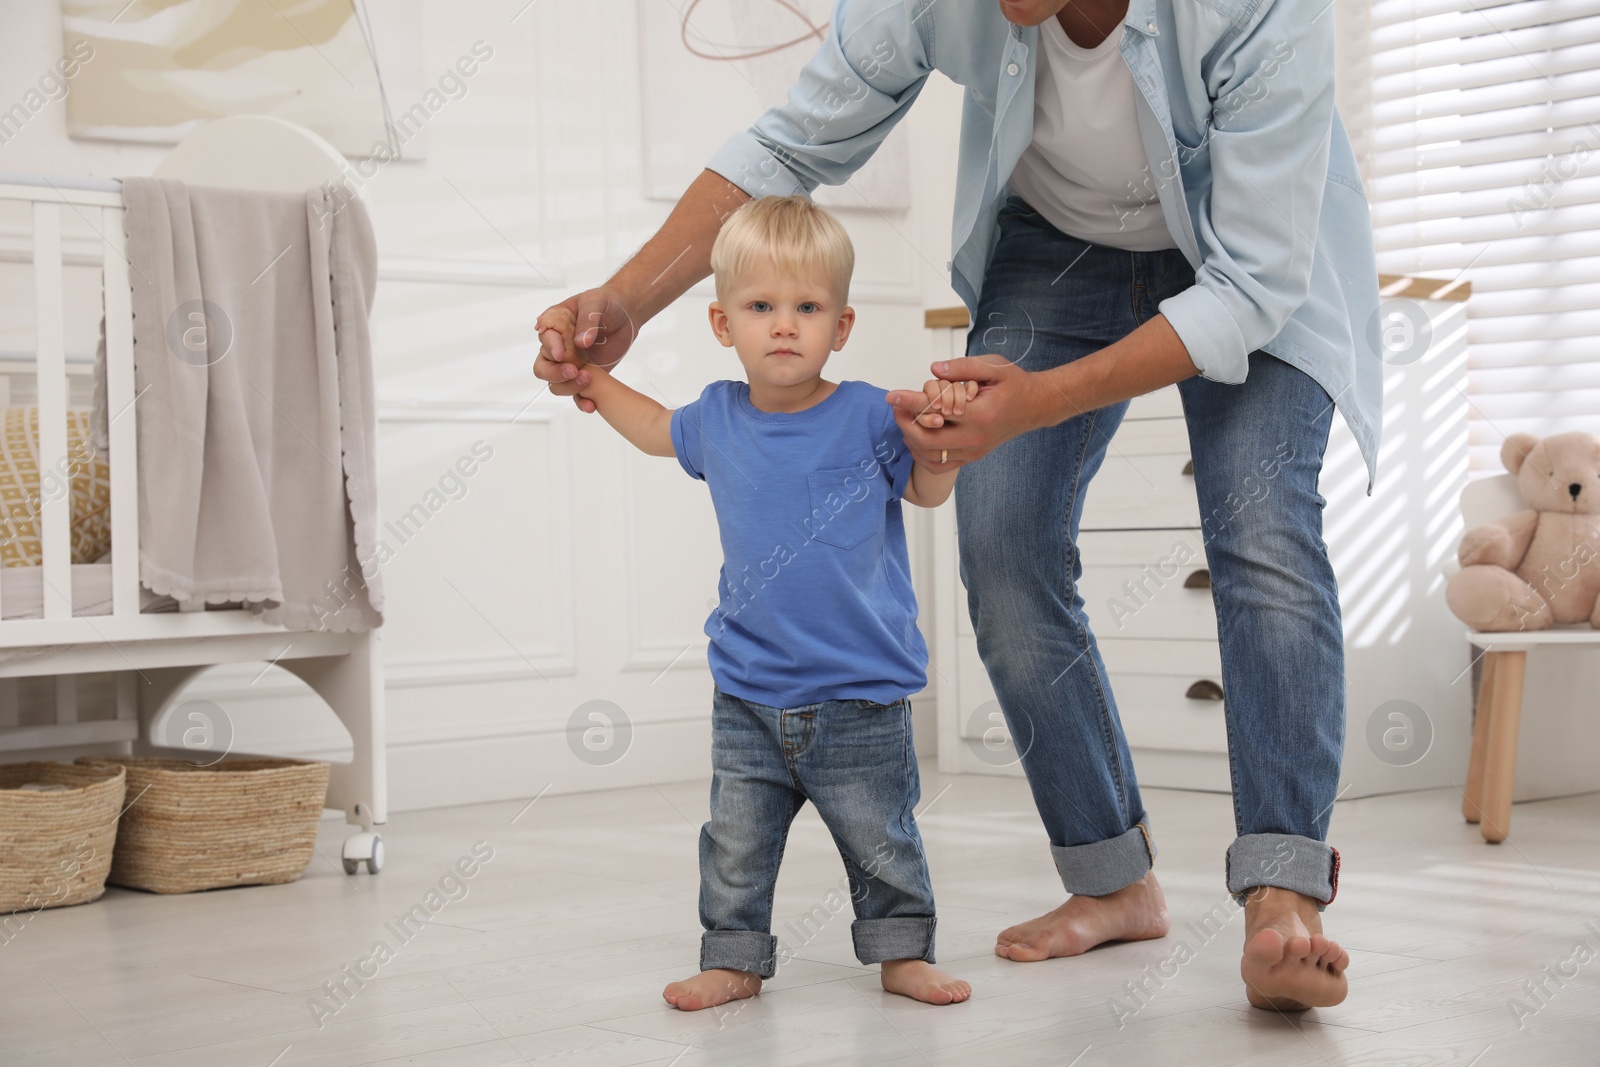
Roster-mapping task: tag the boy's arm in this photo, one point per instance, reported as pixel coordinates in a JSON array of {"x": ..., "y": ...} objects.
[
  {"x": 635, "y": 416},
  {"x": 927, "y": 489}
]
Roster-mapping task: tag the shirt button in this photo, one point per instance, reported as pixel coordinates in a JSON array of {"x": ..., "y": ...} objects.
[
  {"x": 1151, "y": 27},
  {"x": 1012, "y": 69}
]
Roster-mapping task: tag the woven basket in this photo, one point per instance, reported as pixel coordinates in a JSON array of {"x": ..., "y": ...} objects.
[
  {"x": 55, "y": 848},
  {"x": 237, "y": 822}
]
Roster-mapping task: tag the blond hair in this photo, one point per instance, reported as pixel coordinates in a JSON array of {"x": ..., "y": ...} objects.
[{"x": 788, "y": 233}]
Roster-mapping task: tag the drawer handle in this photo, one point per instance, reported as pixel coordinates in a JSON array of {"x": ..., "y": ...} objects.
[
  {"x": 1204, "y": 689},
  {"x": 1200, "y": 579},
  {"x": 1188, "y": 468}
]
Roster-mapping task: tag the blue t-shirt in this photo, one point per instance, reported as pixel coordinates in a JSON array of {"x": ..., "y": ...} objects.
[{"x": 816, "y": 600}]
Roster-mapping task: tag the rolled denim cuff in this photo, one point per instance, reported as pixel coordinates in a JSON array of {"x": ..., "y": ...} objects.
[
  {"x": 739, "y": 950},
  {"x": 908, "y": 937},
  {"x": 1102, "y": 867},
  {"x": 1283, "y": 861}
]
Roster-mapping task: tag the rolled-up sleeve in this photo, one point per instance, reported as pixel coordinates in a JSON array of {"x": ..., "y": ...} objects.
[
  {"x": 864, "y": 77},
  {"x": 1272, "y": 122}
]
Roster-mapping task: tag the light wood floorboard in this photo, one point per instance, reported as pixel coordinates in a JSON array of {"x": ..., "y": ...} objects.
[{"x": 556, "y": 950}]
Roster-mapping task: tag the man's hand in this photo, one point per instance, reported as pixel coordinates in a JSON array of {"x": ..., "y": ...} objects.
[
  {"x": 592, "y": 327},
  {"x": 1012, "y": 401},
  {"x": 1008, "y": 401}
]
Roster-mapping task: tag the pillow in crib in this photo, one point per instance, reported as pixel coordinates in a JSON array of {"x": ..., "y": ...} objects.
[{"x": 87, "y": 473}]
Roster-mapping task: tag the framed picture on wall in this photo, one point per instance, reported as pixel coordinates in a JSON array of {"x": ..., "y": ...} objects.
[{"x": 343, "y": 68}]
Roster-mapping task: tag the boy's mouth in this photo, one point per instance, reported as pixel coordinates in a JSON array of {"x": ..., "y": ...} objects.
[{"x": 783, "y": 352}]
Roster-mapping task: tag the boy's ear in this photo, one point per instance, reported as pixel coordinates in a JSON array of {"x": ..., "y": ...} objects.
[
  {"x": 847, "y": 319},
  {"x": 719, "y": 324}
]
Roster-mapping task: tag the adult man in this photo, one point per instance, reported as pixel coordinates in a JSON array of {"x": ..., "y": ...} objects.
[{"x": 1148, "y": 190}]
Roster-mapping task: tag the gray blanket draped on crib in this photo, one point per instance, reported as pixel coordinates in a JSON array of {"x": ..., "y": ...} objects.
[{"x": 253, "y": 376}]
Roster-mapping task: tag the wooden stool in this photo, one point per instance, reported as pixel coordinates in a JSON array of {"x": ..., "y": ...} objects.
[{"x": 1493, "y": 770}]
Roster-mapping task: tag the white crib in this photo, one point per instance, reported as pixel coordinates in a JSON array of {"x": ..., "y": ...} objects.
[{"x": 154, "y": 656}]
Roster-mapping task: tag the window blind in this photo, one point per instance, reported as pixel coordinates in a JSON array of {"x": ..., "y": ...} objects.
[{"x": 1481, "y": 150}]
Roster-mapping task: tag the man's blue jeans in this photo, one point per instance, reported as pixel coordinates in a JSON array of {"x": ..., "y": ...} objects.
[
  {"x": 856, "y": 762},
  {"x": 1257, "y": 447}
]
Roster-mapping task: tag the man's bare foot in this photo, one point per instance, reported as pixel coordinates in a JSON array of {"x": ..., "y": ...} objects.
[
  {"x": 710, "y": 988},
  {"x": 921, "y": 980},
  {"x": 1134, "y": 913},
  {"x": 1288, "y": 964}
]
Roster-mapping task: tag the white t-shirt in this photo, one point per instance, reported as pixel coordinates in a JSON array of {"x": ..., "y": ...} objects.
[{"x": 1085, "y": 170}]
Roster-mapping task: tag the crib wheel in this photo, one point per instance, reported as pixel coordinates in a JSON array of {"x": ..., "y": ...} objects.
[{"x": 361, "y": 847}]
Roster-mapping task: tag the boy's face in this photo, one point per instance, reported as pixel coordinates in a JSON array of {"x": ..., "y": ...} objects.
[{"x": 783, "y": 327}]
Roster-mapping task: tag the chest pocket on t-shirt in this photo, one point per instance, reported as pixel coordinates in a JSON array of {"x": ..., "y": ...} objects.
[{"x": 844, "y": 509}]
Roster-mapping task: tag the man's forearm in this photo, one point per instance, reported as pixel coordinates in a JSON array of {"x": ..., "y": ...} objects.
[
  {"x": 680, "y": 252},
  {"x": 1147, "y": 359}
]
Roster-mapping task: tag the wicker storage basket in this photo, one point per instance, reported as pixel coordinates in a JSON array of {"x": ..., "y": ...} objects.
[
  {"x": 55, "y": 847},
  {"x": 237, "y": 822}
]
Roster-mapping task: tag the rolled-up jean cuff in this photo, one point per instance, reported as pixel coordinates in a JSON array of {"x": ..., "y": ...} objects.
[
  {"x": 909, "y": 937},
  {"x": 1283, "y": 861},
  {"x": 739, "y": 950},
  {"x": 1102, "y": 867}
]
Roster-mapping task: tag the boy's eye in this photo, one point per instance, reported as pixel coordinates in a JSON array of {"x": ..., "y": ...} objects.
[
  {"x": 812, "y": 305},
  {"x": 760, "y": 305}
]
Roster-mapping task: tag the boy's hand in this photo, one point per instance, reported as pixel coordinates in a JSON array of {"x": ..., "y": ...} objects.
[
  {"x": 561, "y": 325},
  {"x": 944, "y": 398}
]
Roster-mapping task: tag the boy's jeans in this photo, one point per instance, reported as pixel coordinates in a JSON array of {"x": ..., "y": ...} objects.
[
  {"x": 854, "y": 760},
  {"x": 1257, "y": 447}
]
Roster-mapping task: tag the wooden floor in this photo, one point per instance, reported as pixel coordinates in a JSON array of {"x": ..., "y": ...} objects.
[{"x": 555, "y": 950}]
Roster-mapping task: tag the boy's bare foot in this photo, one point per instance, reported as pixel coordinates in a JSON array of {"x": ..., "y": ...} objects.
[
  {"x": 710, "y": 988},
  {"x": 1288, "y": 964},
  {"x": 921, "y": 980},
  {"x": 1134, "y": 913}
]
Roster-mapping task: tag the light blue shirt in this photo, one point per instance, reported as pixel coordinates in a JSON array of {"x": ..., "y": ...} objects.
[{"x": 1249, "y": 160}]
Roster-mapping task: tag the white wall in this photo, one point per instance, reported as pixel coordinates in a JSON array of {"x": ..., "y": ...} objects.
[{"x": 572, "y": 569}]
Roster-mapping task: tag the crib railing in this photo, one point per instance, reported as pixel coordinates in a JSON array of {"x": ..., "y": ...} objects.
[{"x": 101, "y": 208}]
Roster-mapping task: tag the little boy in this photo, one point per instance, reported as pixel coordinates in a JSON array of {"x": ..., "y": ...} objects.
[{"x": 814, "y": 646}]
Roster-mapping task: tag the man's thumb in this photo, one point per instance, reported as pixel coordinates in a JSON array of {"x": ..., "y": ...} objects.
[{"x": 971, "y": 369}]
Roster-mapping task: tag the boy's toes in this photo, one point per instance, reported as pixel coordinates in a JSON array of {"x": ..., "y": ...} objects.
[
  {"x": 922, "y": 981},
  {"x": 951, "y": 992},
  {"x": 679, "y": 997}
]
